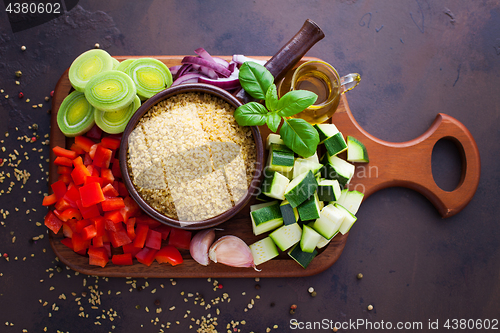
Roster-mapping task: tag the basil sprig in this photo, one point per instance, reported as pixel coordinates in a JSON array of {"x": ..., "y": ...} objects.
[{"x": 298, "y": 134}]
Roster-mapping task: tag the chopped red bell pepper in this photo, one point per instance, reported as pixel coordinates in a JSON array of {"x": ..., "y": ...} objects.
[
  {"x": 59, "y": 189},
  {"x": 146, "y": 256},
  {"x": 62, "y": 170},
  {"x": 169, "y": 254},
  {"x": 92, "y": 150},
  {"x": 77, "y": 149},
  {"x": 112, "y": 204},
  {"x": 107, "y": 176},
  {"x": 145, "y": 219},
  {"x": 72, "y": 194},
  {"x": 100, "y": 225},
  {"x": 94, "y": 132},
  {"x": 153, "y": 240},
  {"x": 87, "y": 159},
  {"x": 131, "y": 228},
  {"x": 63, "y": 204},
  {"x": 164, "y": 230},
  {"x": 115, "y": 168},
  {"x": 131, "y": 209},
  {"x": 84, "y": 143},
  {"x": 70, "y": 213},
  {"x": 88, "y": 212},
  {"x": 78, "y": 161},
  {"x": 102, "y": 157},
  {"x": 79, "y": 244},
  {"x": 110, "y": 225},
  {"x": 68, "y": 242},
  {"x": 91, "y": 194},
  {"x": 89, "y": 232},
  {"x": 107, "y": 246},
  {"x": 60, "y": 160},
  {"x": 65, "y": 178},
  {"x": 49, "y": 199},
  {"x": 97, "y": 241},
  {"x": 111, "y": 143},
  {"x": 122, "y": 259},
  {"x": 180, "y": 238},
  {"x": 121, "y": 188},
  {"x": 68, "y": 228},
  {"x": 114, "y": 215},
  {"x": 93, "y": 179},
  {"x": 109, "y": 191},
  {"x": 130, "y": 248},
  {"x": 94, "y": 171},
  {"x": 62, "y": 152},
  {"x": 119, "y": 237},
  {"x": 79, "y": 173},
  {"x": 98, "y": 256},
  {"x": 53, "y": 222},
  {"x": 141, "y": 233},
  {"x": 82, "y": 224}
]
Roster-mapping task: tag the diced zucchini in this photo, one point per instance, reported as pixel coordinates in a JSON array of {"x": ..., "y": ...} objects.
[
  {"x": 289, "y": 213},
  {"x": 351, "y": 200},
  {"x": 310, "y": 209},
  {"x": 286, "y": 236},
  {"x": 281, "y": 158},
  {"x": 356, "y": 151},
  {"x": 301, "y": 188},
  {"x": 337, "y": 169},
  {"x": 262, "y": 197},
  {"x": 263, "y": 250},
  {"x": 322, "y": 240},
  {"x": 349, "y": 219},
  {"x": 301, "y": 257},
  {"x": 266, "y": 217},
  {"x": 274, "y": 184},
  {"x": 302, "y": 165},
  {"x": 329, "y": 221},
  {"x": 273, "y": 138},
  {"x": 309, "y": 239},
  {"x": 330, "y": 136},
  {"x": 313, "y": 158},
  {"x": 328, "y": 190}
]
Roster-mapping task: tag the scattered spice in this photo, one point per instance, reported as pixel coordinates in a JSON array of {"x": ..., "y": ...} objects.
[
  {"x": 23, "y": 48},
  {"x": 359, "y": 276},
  {"x": 19, "y": 73},
  {"x": 370, "y": 307}
]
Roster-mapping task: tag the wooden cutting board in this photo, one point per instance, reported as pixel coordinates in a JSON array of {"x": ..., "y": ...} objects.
[{"x": 406, "y": 164}]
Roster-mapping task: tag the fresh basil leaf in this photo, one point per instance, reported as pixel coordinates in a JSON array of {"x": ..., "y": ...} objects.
[
  {"x": 300, "y": 136},
  {"x": 255, "y": 79},
  {"x": 295, "y": 101},
  {"x": 271, "y": 98},
  {"x": 273, "y": 121},
  {"x": 251, "y": 114}
]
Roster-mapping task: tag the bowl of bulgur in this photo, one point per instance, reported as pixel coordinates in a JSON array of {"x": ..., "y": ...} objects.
[{"x": 186, "y": 161}]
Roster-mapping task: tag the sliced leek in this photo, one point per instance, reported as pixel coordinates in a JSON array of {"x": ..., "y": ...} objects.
[
  {"x": 75, "y": 115},
  {"x": 87, "y": 65},
  {"x": 116, "y": 121},
  {"x": 150, "y": 76},
  {"x": 110, "y": 91},
  {"x": 116, "y": 63},
  {"x": 124, "y": 65}
]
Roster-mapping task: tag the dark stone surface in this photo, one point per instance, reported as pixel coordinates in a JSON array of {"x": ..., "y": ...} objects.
[{"x": 416, "y": 59}]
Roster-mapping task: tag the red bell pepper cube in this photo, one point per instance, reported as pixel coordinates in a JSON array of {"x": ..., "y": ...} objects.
[
  {"x": 63, "y": 204},
  {"x": 114, "y": 215},
  {"x": 141, "y": 233},
  {"x": 169, "y": 254},
  {"x": 153, "y": 240},
  {"x": 107, "y": 176},
  {"x": 93, "y": 179},
  {"x": 91, "y": 194},
  {"x": 119, "y": 237},
  {"x": 98, "y": 256},
  {"x": 121, "y": 188},
  {"x": 70, "y": 213},
  {"x": 59, "y": 189},
  {"x": 89, "y": 232},
  {"x": 77, "y": 161},
  {"x": 110, "y": 225},
  {"x": 77, "y": 149},
  {"x": 115, "y": 168},
  {"x": 145, "y": 219},
  {"x": 60, "y": 160},
  {"x": 180, "y": 238},
  {"x": 146, "y": 256},
  {"x": 107, "y": 246},
  {"x": 100, "y": 225},
  {"x": 68, "y": 242},
  {"x": 79, "y": 244},
  {"x": 122, "y": 259},
  {"x": 94, "y": 132},
  {"x": 61, "y": 170},
  {"x": 88, "y": 212},
  {"x": 84, "y": 143},
  {"x": 94, "y": 171},
  {"x": 111, "y": 143},
  {"x": 112, "y": 204},
  {"x": 82, "y": 224},
  {"x": 68, "y": 230},
  {"x": 62, "y": 152},
  {"x": 53, "y": 222},
  {"x": 79, "y": 173},
  {"x": 65, "y": 178},
  {"x": 164, "y": 230},
  {"x": 72, "y": 194},
  {"x": 97, "y": 241},
  {"x": 109, "y": 191},
  {"x": 131, "y": 209},
  {"x": 130, "y": 248},
  {"x": 87, "y": 159},
  {"x": 102, "y": 157},
  {"x": 92, "y": 150},
  {"x": 131, "y": 228},
  {"x": 49, "y": 199}
]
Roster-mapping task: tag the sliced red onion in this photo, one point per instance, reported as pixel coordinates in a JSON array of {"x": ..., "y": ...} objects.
[
  {"x": 209, "y": 72},
  {"x": 240, "y": 59},
  {"x": 203, "y": 62},
  {"x": 175, "y": 69},
  {"x": 187, "y": 78},
  {"x": 221, "y": 62},
  {"x": 224, "y": 83},
  {"x": 204, "y": 54}
]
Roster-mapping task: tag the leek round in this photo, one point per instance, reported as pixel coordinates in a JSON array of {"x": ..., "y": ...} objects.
[
  {"x": 75, "y": 115},
  {"x": 150, "y": 76},
  {"x": 124, "y": 65},
  {"x": 115, "y": 122},
  {"x": 87, "y": 65},
  {"x": 110, "y": 91},
  {"x": 116, "y": 63}
]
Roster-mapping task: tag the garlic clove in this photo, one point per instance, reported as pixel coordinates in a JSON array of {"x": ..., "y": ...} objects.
[
  {"x": 200, "y": 243},
  {"x": 232, "y": 251}
]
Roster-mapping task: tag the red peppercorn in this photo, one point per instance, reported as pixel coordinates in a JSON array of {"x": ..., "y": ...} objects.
[
  {"x": 52, "y": 93},
  {"x": 21, "y": 95},
  {"x": 5, "y": 255},
  {"x": 220, "y": 286},
  {"x": 293, "y": 307},
  {"x": 33, "y": 139}
]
